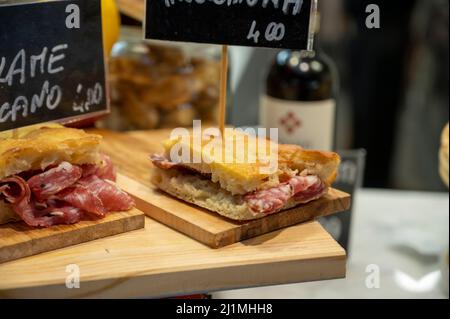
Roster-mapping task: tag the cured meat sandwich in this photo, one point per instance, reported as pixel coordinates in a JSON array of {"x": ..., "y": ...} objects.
[
  {"x": 51, "y": 175},
  {"x": 240, "y": 190}
]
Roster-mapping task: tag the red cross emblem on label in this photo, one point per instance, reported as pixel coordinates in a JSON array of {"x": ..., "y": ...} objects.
[{"x": 290, "y": 122}]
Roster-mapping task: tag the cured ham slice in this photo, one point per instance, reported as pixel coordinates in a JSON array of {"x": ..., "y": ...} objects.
[
  {"x": 66, "y": 215},
  {"x": 18, "y": 194},
  {"x": 104, "y": 171},
  {"x": 301, "y": 188},
  {"x": 313, "y": 192},
  {"x": 65, "y": 194},
  {"x": 14, "y": 189},
  {"x": 112, "y": 197},
  {"x": 4, "y": 188},
  {"x": 80, "y": 197},
  {"x": 25, "y": 210},
  {"x": 269, "y": 200},
  {"x": 162, "y": 162},
  {"x": 54, "y": 180},
  {"x": 28, "y": 212}
]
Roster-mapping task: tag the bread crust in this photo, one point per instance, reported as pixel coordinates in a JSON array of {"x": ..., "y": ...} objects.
[
  {"x": 321, "y": 163},
  {"x": 41, "y": 146}
]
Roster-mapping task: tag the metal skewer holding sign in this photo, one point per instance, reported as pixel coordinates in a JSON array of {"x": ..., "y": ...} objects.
[{"x": 256, "y": 23}]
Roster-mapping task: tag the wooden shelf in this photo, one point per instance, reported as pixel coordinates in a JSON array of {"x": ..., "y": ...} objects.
[
  {"x": 17, "y": 240},
  {"x": 158, "y": 262}
]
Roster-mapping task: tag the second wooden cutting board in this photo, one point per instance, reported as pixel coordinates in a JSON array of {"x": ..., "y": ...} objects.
[
  {"x": 131, "y": 151},
  {"x": 17, "y": 240}
]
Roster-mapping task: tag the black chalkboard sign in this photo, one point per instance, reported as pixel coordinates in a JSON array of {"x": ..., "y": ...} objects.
[
  {"x": 51, "y": 62},
  {"x": 255, "y": 23}
]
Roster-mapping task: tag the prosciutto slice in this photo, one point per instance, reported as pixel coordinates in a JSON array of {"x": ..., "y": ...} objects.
[
  {"x": 112, "y": 197},
  {"x": 65, "y": 194},
  {"x": 3, "y": 189},
  {"x": 104, "y": 171},
  {"x": 82, "y": 198},
  {"x": 66, "y": 215},
  {"x": 301, "y": 188},
  {"x": 34, "y": 217},
  {"x": 14, "y": 189},
  {"x": 17, "y": 192},
  {"x": 312, "y": 192},
  {"x": 162, "y": 162},
  {"x": 54, "y": 180}
]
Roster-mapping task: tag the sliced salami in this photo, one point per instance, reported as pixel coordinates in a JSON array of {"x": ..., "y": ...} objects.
[
  {"x": 301, "y": 188},
  {"x": 269, "y": 200},
  {"x": 14, "y": 189},
  {"x": 104, "y": 171},
  {"x": 80, "y": 197},
  {"x": 54, "y": 180},
  {"x": 112, "y": 197},
  {"x": 161, "y": 162},
  {"x": 65, "y": 194}
]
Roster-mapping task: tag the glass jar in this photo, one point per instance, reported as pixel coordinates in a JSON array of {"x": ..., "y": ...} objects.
[{"x": 156, "y": 84}]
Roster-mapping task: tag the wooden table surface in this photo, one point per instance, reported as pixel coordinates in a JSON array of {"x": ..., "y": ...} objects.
[{"x": 158, "y": 261}]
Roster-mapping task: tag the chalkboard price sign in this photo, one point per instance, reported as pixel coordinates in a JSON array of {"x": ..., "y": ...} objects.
[
  {"x": 51, "y": 62},
  {"x": 255, "y": 23}
]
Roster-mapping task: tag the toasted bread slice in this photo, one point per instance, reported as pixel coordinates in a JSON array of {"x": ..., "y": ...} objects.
[{"x": 37, "y": 147}]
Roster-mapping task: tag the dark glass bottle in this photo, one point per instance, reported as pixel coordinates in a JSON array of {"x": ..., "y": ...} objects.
[{"x": 299, "y": 99}]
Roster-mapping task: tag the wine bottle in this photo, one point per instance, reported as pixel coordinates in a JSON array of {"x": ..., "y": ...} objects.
[{"x": 299, "y": 99}]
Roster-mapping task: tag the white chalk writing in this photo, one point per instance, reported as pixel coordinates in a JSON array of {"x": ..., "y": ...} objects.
[
  {"x": 50, "y": 97},
  {"x": 22, "y": 68},
  {"x": 292, "y": 7}
]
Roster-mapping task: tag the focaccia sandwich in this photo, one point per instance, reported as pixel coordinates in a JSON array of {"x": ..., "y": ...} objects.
[
  {"x": 51, "y": 175},
  {"x": 242, "y": 190}
]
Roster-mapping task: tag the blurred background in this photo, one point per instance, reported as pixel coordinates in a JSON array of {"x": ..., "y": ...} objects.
[{"x": 394, "y": 86}]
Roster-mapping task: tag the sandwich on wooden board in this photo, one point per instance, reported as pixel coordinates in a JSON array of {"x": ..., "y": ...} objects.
[
  {"x": 243, "y": 189},
  {"x": 52, "y": 175}
]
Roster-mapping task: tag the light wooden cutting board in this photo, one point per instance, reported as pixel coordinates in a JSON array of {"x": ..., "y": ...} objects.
[
  {"x": 17, "y": 240},
  {"x": 130, "y": 152},
  {"x": 159, "y": 262}
]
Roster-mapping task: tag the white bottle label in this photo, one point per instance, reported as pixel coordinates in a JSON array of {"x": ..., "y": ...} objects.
[{"x": 309, "y": 124}]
